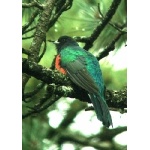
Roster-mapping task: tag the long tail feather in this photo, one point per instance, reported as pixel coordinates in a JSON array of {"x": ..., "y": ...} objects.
[{"x": 101, "y": 109}]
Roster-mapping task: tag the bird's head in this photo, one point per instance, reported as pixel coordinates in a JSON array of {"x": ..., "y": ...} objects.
[{"x": 65, "y": 41}]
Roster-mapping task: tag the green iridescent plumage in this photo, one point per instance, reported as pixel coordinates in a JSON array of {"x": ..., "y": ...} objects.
[{"x": 84, "y": 70}]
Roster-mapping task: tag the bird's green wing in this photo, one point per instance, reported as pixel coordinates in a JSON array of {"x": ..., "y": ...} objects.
[{"x": 78, "y": 74}]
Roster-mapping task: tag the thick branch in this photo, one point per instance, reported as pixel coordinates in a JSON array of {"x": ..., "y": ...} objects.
[
  {"x": 41, "y": 29},
  {"x": 40, "y": 34},
  {"x": 61, "y": 136},
  {"x": 82, "y": 140},
  {"x": 44, "y": 74},
  {"x": 108, "y": 134},
  {"x": 115, "y": 99}
]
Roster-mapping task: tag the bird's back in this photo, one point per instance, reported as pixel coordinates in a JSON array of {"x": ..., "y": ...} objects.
[{"x": 72, "y": 53}]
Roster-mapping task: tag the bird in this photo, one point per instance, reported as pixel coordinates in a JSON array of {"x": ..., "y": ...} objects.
[{"x": 83, "y": 68}]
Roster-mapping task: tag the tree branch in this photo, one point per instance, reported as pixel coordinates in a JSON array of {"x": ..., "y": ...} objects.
[
  {"x": 31, "y": 19},
  {"x": 44, "y": 50},
  {"x": 44, "y": 74},
  {"x": 28, "y": 37},
  {"x": 90, "y": 40},
  {"x": 63, "y": 87},
  {"x": 32, "y": 28},
  {"x": 82, "y": 140},
  {"x": 108, "y": 134},
  {"x": 35, "y": 91},
  {"x": 35, "y": 3},
  {"x": 110, "y": 47},
  {"x": 61, "y": 6},
  {"x": 27, "y": 52},
  {"x": 116, "y": 99},
  {"x": 36, "y": 109},
  {"x": 40, "y": 34}
]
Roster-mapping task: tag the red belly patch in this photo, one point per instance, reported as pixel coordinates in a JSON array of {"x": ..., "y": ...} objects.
[{"x": 57, "y": 65}]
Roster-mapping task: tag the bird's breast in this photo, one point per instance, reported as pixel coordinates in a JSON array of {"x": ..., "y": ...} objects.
[{"x": 58, "y": 65}]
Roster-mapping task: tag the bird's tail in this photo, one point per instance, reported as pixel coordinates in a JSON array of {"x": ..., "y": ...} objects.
[{"x": 101, "y": 109}]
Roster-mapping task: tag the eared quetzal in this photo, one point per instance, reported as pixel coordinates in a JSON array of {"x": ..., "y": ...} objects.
[{"x": 84, "y": 70}]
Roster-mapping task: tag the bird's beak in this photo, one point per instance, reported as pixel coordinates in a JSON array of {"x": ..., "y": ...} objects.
[{"x": 55, "y": 42}]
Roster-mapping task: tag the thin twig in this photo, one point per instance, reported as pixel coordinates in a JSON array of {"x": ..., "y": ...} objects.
[
  {"x": 110, "y": 47},
  {"x": 28, "y": 37},
  {"x": 102, "y": 24},
  {"x": 44, "y": 50},
  {"x": 110, "y": 23},
  {"x": 35, "y": 91},
  {"x": 61, "y": 7},
  {"x": 31, "y": 19},
  {"x": 52, "y": 100},
  {"x": 27, "y": 52},
  {"x": 35, "y": 3},
  {"x": 26, "y": 31},
  {"x": 99, "y": 10}
]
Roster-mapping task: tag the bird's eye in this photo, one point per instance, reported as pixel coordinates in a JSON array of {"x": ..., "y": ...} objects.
[{"x": 64, "y": 40}]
